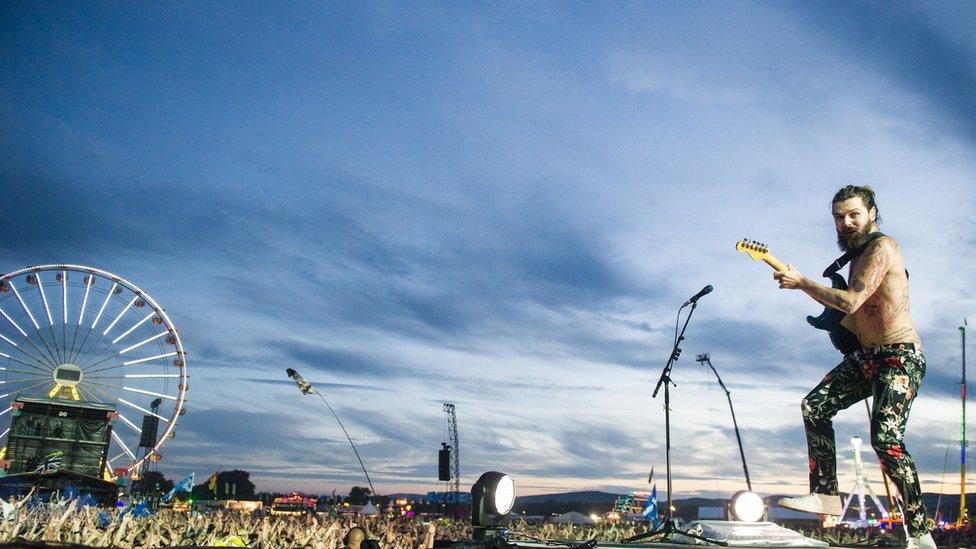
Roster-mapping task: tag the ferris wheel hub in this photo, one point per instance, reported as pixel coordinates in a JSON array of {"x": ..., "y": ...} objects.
[{"x": 68, "y": 375}]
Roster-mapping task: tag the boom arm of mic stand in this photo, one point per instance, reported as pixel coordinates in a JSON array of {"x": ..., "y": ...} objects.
[{"x": 675, "y": 353}]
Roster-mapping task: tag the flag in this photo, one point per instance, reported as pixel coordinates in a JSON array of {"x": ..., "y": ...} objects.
[
  {"x": 185, "y": 485},
  {"x": 650, "y": 511},
  {"x": 51, "y": 462}
]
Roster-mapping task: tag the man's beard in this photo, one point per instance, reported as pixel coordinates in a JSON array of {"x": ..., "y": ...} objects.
[{"x": 850, "y": 239}]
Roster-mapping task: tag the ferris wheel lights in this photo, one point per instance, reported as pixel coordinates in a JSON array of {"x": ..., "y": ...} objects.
[{"x": 148, "y": 359}]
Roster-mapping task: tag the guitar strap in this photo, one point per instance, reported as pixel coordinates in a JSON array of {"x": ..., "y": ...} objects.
[{"x": 839, "y": 263}]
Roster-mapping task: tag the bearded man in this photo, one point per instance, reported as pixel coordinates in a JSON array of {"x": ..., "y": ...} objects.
[{"x": 889, "y": 366}]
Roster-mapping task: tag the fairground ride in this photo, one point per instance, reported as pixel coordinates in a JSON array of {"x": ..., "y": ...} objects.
[{"x": 80, "y": 333}]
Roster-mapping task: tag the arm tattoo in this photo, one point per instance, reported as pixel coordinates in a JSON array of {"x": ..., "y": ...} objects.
[{"x": 869, "y": 272}]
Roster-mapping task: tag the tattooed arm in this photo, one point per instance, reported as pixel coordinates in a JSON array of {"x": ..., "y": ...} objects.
[{"x": 869, "y": 271}]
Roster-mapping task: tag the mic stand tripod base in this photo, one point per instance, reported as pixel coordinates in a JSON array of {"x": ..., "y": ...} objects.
[{"x": 667, "y": 530}]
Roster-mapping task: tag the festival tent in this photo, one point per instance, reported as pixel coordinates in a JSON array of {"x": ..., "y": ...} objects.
[
  {"x": 573, "y": 517},
  {"x": 368, "y": 509}
]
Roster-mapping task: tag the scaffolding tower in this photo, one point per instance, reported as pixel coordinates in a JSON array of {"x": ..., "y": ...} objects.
[{"x": 454, "y": 484}]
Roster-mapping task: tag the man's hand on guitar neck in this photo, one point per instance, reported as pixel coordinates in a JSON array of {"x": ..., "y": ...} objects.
[{"x": 790, "y": 279}]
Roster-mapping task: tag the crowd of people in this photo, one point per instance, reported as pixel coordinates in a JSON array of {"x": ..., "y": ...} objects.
[{"x": 70, "y": 522}]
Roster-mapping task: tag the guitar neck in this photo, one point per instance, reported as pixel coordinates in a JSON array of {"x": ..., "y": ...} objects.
[{"x": 775, "y": 263}]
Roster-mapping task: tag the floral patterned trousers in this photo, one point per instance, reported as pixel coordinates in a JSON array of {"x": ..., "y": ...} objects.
[{"x": 891, "y": 375}]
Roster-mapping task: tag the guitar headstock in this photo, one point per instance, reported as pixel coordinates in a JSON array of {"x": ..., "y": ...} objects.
[{"x": 756, "y": 250}]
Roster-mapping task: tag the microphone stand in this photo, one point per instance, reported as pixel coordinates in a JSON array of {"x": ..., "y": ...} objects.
[
  {"x": 667, "y": 530},
  {"x": 705, "y": 359}
]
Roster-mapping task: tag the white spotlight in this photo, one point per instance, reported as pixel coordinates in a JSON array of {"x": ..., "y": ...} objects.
[{"x": 746, "y": 506}]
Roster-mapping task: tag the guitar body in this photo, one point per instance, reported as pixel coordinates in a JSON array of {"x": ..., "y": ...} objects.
[{"x": 829, "y": 320}]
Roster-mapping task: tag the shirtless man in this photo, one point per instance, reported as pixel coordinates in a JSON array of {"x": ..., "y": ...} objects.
[{"x": 889, "y": 367}]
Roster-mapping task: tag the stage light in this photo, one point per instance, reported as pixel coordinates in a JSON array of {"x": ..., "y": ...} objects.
[
  {"x": 746, "y": 506},
  {"x": 492, "y": 498}
]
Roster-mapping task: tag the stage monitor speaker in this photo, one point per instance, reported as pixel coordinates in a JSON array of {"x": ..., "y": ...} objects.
[
  {"x": 444, "y": 464},
  {"x": 49, "y": 434},
  {"x": 150, "y": 427},
  {"x": 748, "y": 534}
]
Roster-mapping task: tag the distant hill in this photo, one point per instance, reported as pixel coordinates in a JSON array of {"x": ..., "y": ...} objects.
[
  {"x": 591, "y": 496},
  {"x": 600, "y": 502}
]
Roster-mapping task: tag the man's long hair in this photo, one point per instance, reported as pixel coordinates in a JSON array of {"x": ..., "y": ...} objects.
[{"x": 867, "y": 196}]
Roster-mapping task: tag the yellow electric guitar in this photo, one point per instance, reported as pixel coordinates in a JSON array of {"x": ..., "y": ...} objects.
[{"x": 830, "y": 319}]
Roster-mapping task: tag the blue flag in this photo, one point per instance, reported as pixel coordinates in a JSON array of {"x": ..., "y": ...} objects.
[
  {"x": 185, "y": 485},
  {"x": 650, "y": 511}
]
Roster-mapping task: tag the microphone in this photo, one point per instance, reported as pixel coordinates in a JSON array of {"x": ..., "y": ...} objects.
[
  {"x": 303, "y": 386},
  {"x": 694, "y": 299}
]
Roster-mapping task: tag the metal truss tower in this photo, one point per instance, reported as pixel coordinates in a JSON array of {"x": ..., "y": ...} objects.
[{"x": 453, "y": 485}]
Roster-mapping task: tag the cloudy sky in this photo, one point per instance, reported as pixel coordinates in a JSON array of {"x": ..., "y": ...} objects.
[{"x": 498, "y": 205}]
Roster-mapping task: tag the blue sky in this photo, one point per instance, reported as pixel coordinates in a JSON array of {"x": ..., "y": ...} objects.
[{"x": 498, "y": 205}]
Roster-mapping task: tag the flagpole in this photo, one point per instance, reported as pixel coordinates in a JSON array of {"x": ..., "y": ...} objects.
[{"x": 307, "y": 388}]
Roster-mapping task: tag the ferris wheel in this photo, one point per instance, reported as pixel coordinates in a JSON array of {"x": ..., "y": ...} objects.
[{"x": 80, "y": 333}]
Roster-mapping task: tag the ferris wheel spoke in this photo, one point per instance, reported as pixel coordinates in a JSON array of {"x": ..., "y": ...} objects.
[
  {"x": 47, "y": 308},
  {"x": 91, "y": 392},
  {"x": 55, "y": 347},
  {"x": 101, "y": 310},
  {"x": 7, "y": 409},
  {"x": 64, "y": 296},
  {"x": 44, "y": 358},
  {"x": 8, "y": 340},
  {"x": 48, "y": 349},
  {"x": 24, "y": 306},
  {"x": 11, "y": 321},
  {"x": 131, "y": 362},
  {"x": 3, "y": 434},
  {"x": 150, "y": 393},
  {"x": 134, "y": 326},
  {"x": 38, "y": 364},
  {"x": 88, "y": 366},
  {"x": 89, "y": 280},
  {"x": 24, "y": 389},
  {"x": 86, "y": 356},
  {"x": 33, "y": 375},
  {"x": 88, "y": 380},
  {"x": 119, "y": 316},
  {"x": 143, "y": 342},
  {"x": 121, "y": 443},
  {"x": 76, "y": 353},
  {"x": 143, "y": 410},
  {"x": 130, "y": 424}
]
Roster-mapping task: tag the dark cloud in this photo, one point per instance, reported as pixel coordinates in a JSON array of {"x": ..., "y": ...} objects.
[
  {"x": 324, "y": 360},
  {"x": 895, "y": 40},
  {"x": 318, "y": 385}
]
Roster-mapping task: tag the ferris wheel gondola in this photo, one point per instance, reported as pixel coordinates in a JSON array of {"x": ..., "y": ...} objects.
[{"x": 81, "y": 333}]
